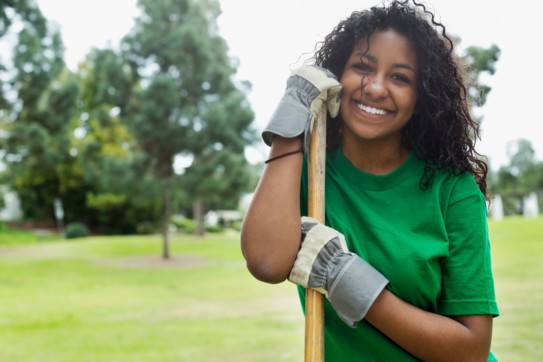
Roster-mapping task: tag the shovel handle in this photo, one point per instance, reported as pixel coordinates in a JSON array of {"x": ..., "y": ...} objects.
[{"x": 314, "y": 301}]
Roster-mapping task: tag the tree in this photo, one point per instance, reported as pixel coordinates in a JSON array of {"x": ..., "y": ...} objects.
[
  {"x": 523, "y": 174},
  {"x": 186, "y": 90},
  {"x": 480, "y": 61},
  {"x": 219, "y": 172},
  {"x": 119, "y": 197},
  {"x": 41, "y": 97}
]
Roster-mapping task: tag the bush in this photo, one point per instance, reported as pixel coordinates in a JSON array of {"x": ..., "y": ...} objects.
[
  {"x": 76, "y": 230},
  {"x": 214, "y": 228},
  {"x": 146, "y": 227},
  {"x": 187, "y": 226}
]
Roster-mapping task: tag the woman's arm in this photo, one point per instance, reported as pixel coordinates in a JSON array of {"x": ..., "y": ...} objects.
[
  {"x": 271, "y": 231},
  {"x": 358, "y": 291},
  {"x": 430, "y": 336}
]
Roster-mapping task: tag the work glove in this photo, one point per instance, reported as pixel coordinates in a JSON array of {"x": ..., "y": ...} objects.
[
  {"x": 308, "y": 89},
  {"x": 324, "y": 263}
]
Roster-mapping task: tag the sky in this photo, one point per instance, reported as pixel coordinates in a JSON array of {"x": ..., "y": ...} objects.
[{"x": 270, "y": 38}]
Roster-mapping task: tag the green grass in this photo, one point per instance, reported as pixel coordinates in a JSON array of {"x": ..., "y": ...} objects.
[
  {"x": 115, "y": 299},
  {"x": 18, "y": 237},
  {"x": 517, "y": 252}
]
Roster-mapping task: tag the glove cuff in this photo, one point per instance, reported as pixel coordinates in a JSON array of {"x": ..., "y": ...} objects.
[
  {"x": 289, "y": 120},
  {"x": 355, "y": 289}
]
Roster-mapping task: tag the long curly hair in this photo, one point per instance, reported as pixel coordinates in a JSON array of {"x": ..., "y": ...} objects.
[{"x": 442, "y": 132}]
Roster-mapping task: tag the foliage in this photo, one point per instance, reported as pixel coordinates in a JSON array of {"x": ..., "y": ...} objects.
[
  {"x": 184, "y": 224},
  {"x": 188, "y": 104},
  {"x": 76, "y": 230},
  {"x": 104, "y": 140},
  {"x": 523, "y": 175},
  {"x": 41, "y": 99},
  {"x": 480, "y": 61},
  {"x": 120, "y": 197}
]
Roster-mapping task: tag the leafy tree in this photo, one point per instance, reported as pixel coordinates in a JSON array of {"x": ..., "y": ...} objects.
[
  {"x": 480, "y": 61},
  {"x": 523, "y": 174},
  {"x": 219, "y": 172},
  {"x": 188, "y": 104},
  {"x": 118, "y": 196},
  {"x": 41, "y": 103}
]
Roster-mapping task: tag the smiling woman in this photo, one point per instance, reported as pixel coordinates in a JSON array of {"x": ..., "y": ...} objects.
[
  {"x": 403, "y": 255},
  {"x": 378, "y": 99}
]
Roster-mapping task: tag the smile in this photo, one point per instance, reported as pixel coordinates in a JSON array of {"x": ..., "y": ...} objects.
[{"x": 371, "y": 110}]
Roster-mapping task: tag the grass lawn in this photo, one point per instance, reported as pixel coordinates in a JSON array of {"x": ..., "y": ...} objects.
[
  {"x": 517, "y": 252},
  {"x": 115, "y": 299}
]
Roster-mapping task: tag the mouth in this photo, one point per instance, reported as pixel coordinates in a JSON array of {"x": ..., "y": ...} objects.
[{"x": 371, "y": 110}]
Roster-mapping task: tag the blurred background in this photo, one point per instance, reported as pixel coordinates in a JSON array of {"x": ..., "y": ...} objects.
[{"x": 132, "y": 128}]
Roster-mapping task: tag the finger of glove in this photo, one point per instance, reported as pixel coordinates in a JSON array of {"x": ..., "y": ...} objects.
[
  {"x": 328, "y": 262},
  {"x": 328, "y": 85},
  {"x": 317, "y": 236},
  {"x": 330, "y": 98},
  {"x": 307, "y": 224},
  {"x": 354, "y": 290},
  {"x": 320, "y": 77},
  {"x": 333, "y": 102}
]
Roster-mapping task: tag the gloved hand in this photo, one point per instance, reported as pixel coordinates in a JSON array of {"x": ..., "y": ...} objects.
[
  {"x": 325, "y": 264},
  {"x": 308, "y": 89}
]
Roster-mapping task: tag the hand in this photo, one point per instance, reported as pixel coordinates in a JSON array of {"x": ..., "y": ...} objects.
[
  {"x": 308, "y": 89},
  {"x": 324, "y": 263}
]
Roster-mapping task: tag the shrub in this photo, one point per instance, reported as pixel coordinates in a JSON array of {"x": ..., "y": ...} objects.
[
  {"x": 187, "y": 226},
  {"x": 214, "y": 228},
  {"x": 146, "y": 227},
  {"x": 76, "y": 230}
]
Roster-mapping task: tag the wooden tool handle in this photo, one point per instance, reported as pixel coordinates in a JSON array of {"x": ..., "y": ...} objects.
[{"x": 314, "y": 301}]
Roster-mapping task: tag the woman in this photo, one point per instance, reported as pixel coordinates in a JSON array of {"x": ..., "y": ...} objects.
[{"x": 404, "y": 258}]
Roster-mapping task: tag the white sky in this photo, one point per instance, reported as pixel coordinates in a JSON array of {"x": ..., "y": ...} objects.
[{"x": 269, "y": 37}]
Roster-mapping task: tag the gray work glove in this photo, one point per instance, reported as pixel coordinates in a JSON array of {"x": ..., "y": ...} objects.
[
  {"x": 308, "y": 89},
  {"x": 324, "y": 263}
]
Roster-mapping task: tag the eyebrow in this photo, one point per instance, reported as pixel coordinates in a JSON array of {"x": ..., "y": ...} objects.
[{"x": 396, "y": 65}]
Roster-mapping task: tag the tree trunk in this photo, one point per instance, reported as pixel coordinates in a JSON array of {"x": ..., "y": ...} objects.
[
  {"x": 198, "y": 210},
  {"x": 166, "y": 225}
]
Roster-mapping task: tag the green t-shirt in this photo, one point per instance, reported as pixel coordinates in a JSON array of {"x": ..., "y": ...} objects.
[{"x": 431, "y": 244}]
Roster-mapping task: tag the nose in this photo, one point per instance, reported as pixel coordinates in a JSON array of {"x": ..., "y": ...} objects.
[{"x": 374, "y": 87}]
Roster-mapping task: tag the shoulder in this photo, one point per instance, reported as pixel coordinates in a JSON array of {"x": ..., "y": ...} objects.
[{"x": 448, "y": 181}]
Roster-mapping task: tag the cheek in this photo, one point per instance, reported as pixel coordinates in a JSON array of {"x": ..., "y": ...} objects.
[
  {"x": 344, "y": 106},
  {"x": 410, "y": 103}
]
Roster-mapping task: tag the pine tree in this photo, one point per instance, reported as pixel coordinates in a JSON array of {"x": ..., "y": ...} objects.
[{"x": 188, "y": 104}]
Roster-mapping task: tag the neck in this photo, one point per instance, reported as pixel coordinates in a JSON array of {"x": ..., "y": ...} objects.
[{"x": 375, "y": 157}]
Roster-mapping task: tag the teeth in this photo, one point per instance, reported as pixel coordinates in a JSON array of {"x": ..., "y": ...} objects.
[{"x": 371, "y": 109}]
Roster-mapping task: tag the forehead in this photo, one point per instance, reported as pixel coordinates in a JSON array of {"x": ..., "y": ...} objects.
[{"x": 387, "y": 44}]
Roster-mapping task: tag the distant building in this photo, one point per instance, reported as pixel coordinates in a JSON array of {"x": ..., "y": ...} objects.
[
  {"x": 222, "y": 217},
  {"x": 12, "y": 206}
]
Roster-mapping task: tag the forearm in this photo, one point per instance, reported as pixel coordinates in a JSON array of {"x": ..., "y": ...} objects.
[
  {"x": 429, "y": 336},
  {"x": 270, "y": 236}
]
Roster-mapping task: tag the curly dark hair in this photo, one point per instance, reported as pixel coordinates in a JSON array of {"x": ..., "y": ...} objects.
[{"x": 442, "y": 133}]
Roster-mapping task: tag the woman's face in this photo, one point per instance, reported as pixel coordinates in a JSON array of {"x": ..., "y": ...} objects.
[{"x": 379, "y": 88}]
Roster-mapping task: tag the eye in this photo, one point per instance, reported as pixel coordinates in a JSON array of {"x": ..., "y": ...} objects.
[
  {"x": 363, "y": 67},
  {"x": 401, "y": 78}
]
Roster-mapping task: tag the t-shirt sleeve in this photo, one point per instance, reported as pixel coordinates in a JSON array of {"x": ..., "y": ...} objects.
[{"x": 468, "y": 285}]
